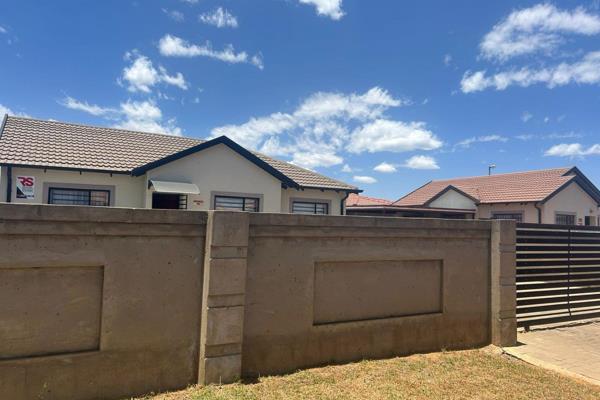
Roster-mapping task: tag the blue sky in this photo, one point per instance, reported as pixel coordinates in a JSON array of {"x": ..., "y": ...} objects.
[{"x": 383, "y": 94}]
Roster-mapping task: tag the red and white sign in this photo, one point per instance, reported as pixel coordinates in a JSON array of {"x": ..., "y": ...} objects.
[{"x": 25, "y": 187}]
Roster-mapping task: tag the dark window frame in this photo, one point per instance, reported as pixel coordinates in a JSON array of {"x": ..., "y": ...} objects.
[
  {"x": 508, "y": 215},
  {"x": 567, "y": 216},
  {"x": 243, "y": 198},
  {"x": 314, "y": 203},
  {"x": 89, "y": 191}
]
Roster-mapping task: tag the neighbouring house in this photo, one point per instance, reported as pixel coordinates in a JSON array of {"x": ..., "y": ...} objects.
[
  {"x": 61, "y": 163},
  {"x": 370, "y": 206},
  {"x": 551, "y": 196}
]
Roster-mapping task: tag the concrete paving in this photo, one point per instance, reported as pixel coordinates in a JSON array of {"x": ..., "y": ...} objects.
[{"x": 573, "y": 349}]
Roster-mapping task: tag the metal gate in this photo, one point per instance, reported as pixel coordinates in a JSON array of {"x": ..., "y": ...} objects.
[{"x": 558, "y": 273}]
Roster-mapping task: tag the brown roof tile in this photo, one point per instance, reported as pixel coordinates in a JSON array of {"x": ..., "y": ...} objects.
[
  {"x": 502, "y": 188},
  {"x": 354, "y": 200},
  {"x": 26, "y": 141}
]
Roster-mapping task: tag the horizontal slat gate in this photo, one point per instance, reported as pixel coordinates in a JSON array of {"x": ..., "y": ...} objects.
[{"x": 558, "y": 273}]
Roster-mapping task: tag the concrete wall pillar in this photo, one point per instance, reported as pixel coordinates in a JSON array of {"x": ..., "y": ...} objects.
[
  {"x": 503, "y": 285},
  {"x": 223, "y": 295}
]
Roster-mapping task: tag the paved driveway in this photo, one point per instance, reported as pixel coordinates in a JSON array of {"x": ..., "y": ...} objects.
[{"x": 574, "y": 349}]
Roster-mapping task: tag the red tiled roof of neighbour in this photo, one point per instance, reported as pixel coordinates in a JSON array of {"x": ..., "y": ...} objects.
[
  {"x": 52, "y": 144},
  {"x": 523, "y": 187},
  {"x": 354, "y": 200}
]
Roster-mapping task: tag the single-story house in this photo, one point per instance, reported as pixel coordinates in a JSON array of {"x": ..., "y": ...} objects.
[
  {"x": 61, "y": 163},
  {"x": 551, "y": 196},
  {"x": 371, "y": 206}
]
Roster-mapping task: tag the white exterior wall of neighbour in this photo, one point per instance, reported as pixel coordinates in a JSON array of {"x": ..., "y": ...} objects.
[
  {"x": 528, "y": 210},
  {"x": 571, "y": 200},
  {"x": 453, "y": 199},
  {"x": 126, "y": 191},
  {"x": 331, "y": 197},
  {"x": 216, "y": 170},
  {"x": 221, "y": 170}
]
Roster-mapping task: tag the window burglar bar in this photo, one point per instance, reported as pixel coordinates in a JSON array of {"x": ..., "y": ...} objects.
[
  {"x": 304, "y": 207},
  {"x": 236, "y": 203},
  {"x": 79, "y": 197}
]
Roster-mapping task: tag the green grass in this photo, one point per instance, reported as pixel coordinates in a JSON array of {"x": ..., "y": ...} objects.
[{"x": 472, "y": 374}]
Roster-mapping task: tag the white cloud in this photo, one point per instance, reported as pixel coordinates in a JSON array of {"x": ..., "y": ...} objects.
[
  {"x": 326, "y": 124},
  {"x": 584, "y": 71},
  {"x": 5, "y": 110},
  {"x": 395, "y": 136},
  {"x": 173, "y": 46},
  {"x": 364, "y": 179},
  {"x": 447, "y": 60},
  {"x": 526, "y": 116},
  {"x": 421, "y": 162},
  {"x": 550, "y": 136},
  {"x": 346, "y": 168},
  {"x": 3, "y": 29},
  {"x": 143, "y": 116},
  {"x": 174, "y": 15},
  {"x": 327, "y": 8},
  {"x": 220, "y": 18},
  {"x": 190, "y": 1},
  {"x": 142, "y": 76},
  {"x": 481, "y": 139},
  {"x": 385, "y": 168},
  {"x": 572, "y": 150},
  {"x": 84, "y": 106},
  {"x": 535, "y": 29}
]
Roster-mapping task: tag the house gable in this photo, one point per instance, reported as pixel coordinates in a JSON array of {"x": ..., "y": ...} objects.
[{"x": 452, "y": 197}]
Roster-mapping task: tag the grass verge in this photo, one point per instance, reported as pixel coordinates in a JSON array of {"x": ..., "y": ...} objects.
[{"x": 471, "y": 374}]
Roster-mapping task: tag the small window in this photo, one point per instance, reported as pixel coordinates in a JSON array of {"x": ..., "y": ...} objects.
[
  {"x": 169, "y": 201},
  {"x": 232, "y": 203},
  {"x": 565, "y": 219},
  {"x": 590, "y": 220},
  {"x": 306, "y": 207},
  {"x": 516, "y": 216},
  {"x": 79, "y": 197}
]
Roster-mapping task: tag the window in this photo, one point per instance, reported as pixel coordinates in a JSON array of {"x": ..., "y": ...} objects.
[
  {"x": 232, "y": 203},
  {"x": 590, "y": 220},
  {"x": 169, "y": 201},
  {"x": 516, "y": 216},
  {"x": 79, "y": 197},
  {"x": 307, "y": 207},
  {"x": 565, "y": 219}
]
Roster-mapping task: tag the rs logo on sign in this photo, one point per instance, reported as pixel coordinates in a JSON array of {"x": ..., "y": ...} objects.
[{"x": 25, "y": 180}]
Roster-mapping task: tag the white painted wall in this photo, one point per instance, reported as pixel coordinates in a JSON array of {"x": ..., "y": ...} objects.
[
  {"x": 530, "y": 213},
  {"x": 332, "y": 197},
  {"x": 453, "y": 199},
  {"x": 219, "y": 169},
  {"x": 571, "y": 199},
  {"x": 128, "y": 190}
]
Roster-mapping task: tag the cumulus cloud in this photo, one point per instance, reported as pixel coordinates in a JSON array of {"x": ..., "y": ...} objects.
[
  {"x": 173, "y": 46},
  {"x": 221, "y": 18},
  {"x": 385, "y": 168},
  {"x": 364, "y": 179},
  {"x": 347, "y": 168},
  {"x": 327, "y": 8},
  {"x": 526, "y": 116},
  {"x": 141, "y": 75},
  {"x": 3, "y": 29},
  {"x": 326, "y": 124},
  {"x": 388, "y": 135},
  {"x": 143, "y": 116},
  {"x": 584, "y": 71},
  {"x": 572, "y": 150},
  {"x": 539, "y": 28},
  {"x": 421, "y": 162},
  {"x": 481, "y": 139}
]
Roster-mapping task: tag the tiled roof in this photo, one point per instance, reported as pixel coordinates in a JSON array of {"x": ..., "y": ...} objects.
[
  {"x": 25, "y": 141},
  {"x": 355, "y": 200},
  {"x": 527, "y": 186}
]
